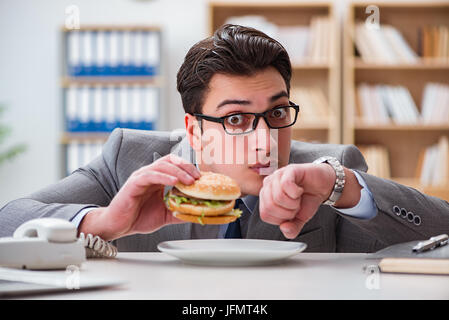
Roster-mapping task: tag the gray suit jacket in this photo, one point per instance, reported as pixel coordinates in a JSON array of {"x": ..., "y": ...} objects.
[{"x": 404, "y": 214}]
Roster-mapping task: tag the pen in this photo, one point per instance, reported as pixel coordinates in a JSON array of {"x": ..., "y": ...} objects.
[{"x": 432, "y": 243}]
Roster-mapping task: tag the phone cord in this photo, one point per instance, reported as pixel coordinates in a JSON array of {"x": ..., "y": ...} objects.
[{"x": 97, "y": 247}]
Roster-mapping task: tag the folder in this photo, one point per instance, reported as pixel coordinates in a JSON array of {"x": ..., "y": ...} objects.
[
  {"x": 400, "y": 258},
  {"x": 152, "y": 53},
  {"x": 100, "y": 57},
  {"x": 111, "y": 109},
  {"x": 113, "y": 53},
  {"x": 87, "y": 53},
  {"x": 73, "y": 53},
  {"x": 150, "y": 112},
  {"x": 97, "y": 113},
  {"x": 71, "y": 114}
]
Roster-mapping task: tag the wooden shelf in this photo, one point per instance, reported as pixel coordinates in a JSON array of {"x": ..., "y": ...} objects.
[
  {"x": 325, "y": 76},
  {"x": 311, "y": 126},
  {"x": 436, "y": 64},
  {"x": 391, "y": 127},
  {"x": 67, "y": 137},
  {"x": 311, "y": 66},
  {"x": 404, "y": 143},
  {"x": 156, "y": 81},
  {"x": 113, "y": 28}
]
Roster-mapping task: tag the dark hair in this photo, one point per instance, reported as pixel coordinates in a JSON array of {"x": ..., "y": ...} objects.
[{"x": 233, "y": 50}]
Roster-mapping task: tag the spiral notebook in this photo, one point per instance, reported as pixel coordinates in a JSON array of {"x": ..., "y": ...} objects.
[{"x": 400, "y": 258}]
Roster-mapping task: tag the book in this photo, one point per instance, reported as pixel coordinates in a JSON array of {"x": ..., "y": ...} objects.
[
  {"x": 382, "y": 45},
  {"x": 435, "y": 103},
  {"x": 382, "y": 104},
  {"x": 308, "y": 43},
  {"x": 435, "y": 42},
  {"x": 433, "y": 167}
]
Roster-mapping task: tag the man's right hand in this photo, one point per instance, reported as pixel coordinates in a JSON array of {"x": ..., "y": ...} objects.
[{"x": 139, "y": 207}]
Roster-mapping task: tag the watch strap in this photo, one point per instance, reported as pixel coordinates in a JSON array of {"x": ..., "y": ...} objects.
[{"x": 339, "y": 181}]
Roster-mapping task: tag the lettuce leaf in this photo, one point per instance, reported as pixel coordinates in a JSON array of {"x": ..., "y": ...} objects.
[
  {"x": 236, "y": 212},
  {"x": 209, "y": 203}
]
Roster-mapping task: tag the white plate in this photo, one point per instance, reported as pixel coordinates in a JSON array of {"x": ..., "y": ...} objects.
[{"x": 230, "y": 252}]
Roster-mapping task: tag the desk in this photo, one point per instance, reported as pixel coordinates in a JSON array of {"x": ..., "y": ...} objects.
[{"x": 304, "y": 276}]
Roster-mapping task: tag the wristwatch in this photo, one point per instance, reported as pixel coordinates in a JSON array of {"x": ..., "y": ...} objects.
[{"x": 339, "y": 181}]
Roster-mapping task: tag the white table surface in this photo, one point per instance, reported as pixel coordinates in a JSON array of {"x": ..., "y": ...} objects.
[{"x": 304, "y": 276}]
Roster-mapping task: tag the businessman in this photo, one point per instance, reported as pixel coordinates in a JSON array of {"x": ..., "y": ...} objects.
[{"x": 235, "y": 92}]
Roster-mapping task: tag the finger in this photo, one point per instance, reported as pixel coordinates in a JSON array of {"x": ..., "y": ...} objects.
[
  {"x": 269, "y": 211},
  {"x": 264, "y": 205},
  {"x": 289, "y": 185},
  {"x": 281, "y": 198},
  {"x": 292, "y": 228},
  {"x": 173, "y": 170},
  {"x": 138, "y": 185},
  {"x": 309, "y": 206},
  {"x": 184, "y": 165}
]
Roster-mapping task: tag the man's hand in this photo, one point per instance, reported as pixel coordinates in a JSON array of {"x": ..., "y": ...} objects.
[
  {"x": 291, "y": 195},
  {"x": 139, "y": 207}
]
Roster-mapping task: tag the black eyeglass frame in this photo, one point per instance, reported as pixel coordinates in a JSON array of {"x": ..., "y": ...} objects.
[{"x": 255, "y": 121}]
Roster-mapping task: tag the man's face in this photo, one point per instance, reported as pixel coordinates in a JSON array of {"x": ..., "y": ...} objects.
[{"x": 246, "y": 157}]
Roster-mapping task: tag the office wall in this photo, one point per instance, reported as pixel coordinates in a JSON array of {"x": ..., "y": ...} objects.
[{"x": 30, "y": 69}]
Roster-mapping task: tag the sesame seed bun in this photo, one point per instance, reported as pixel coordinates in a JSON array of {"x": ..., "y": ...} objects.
[{"x": 211, "y": 186}]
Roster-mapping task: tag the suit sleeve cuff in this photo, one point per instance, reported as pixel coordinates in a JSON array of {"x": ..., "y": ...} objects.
[
  {"x": 366, "y": 207},
  {"x": 80, "y": 215}
]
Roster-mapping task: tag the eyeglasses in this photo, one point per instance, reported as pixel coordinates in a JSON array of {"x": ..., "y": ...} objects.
[{"x": 246, "y": 122}]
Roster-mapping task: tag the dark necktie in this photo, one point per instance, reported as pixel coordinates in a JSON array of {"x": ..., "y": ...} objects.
[{"x": 234, "y": 230}]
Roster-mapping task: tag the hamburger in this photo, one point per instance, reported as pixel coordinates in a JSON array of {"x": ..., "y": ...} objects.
[{"x": 209, "y": 200}]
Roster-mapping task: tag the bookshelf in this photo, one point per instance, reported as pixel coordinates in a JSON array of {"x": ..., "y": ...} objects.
[
  {"x": 315, "y": 83},
  {"x": 391, "y": 79},
  {"x": 111, "y": 77}
]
